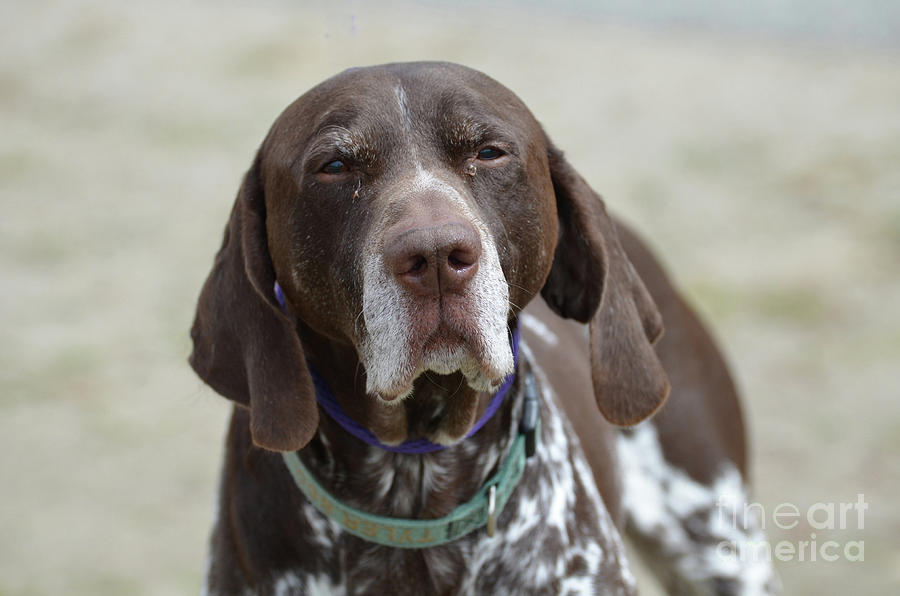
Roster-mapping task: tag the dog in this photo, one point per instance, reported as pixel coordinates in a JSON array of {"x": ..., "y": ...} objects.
[{"x": 444, "y": 356}]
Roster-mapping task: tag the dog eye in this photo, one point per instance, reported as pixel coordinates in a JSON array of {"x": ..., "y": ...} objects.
[
  {"x": 489, "y": 153},
  {"x": 334, "y": 167}
]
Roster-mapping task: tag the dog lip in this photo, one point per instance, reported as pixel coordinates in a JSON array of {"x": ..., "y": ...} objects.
[{"x": 442, "y": 337}]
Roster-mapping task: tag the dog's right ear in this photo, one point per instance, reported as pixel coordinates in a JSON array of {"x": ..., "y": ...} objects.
[{"x": 244, "y": 346}]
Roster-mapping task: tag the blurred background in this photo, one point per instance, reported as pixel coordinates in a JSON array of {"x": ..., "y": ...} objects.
[{"x": 756, "y": 145}]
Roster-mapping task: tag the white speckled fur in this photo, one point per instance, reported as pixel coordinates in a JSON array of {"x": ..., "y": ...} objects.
[
  {"x": 288, "y": 583},
  {"x": 561, "y": 470},
  {"x": 660, "y": 499}
]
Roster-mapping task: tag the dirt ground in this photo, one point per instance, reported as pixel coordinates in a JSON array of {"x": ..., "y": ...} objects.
[{"x": 764, "y": 168}]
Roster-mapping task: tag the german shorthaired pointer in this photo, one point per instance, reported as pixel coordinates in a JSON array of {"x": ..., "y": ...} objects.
[{"x": 403, "y": 424}]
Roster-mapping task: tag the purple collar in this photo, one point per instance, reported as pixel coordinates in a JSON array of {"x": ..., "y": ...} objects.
[{"x": 334, "y": 409}]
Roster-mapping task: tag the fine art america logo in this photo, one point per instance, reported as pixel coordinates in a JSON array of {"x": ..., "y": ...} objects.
[{"x": 821, "y": 517}]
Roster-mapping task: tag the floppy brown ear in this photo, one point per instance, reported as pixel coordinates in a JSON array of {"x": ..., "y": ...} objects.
[
  {"x": 244, "y": 346},
  {"x": 592, "y": 280}
]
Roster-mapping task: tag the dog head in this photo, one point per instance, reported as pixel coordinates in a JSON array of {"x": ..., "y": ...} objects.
[{"x": 410, "y": 211}]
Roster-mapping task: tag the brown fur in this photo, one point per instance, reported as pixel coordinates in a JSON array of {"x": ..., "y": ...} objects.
[{"x": 553, "y": 236}]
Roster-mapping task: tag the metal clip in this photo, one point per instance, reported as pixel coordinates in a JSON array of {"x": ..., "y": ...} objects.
[
  {"x": 492, "y": 510},
  {"x": 530, "y": 414}
]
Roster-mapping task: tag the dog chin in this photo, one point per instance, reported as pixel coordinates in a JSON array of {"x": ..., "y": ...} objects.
[{"x": 481, "y": 374}]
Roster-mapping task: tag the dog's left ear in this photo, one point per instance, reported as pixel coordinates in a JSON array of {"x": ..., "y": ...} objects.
[{"x": 592, "y": 280}]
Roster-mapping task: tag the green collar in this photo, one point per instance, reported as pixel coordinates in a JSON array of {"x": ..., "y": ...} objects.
[{"x": 482, "y": 510}]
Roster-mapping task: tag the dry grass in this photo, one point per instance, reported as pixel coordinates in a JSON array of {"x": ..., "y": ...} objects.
[{"x": 765, "y": 173}]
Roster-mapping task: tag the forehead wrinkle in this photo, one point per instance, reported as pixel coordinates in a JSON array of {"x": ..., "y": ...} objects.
[
  {"x": 462, "y": 131},
  {"x": 355, "y": 144},
  {"x": 466, "y": 129}
]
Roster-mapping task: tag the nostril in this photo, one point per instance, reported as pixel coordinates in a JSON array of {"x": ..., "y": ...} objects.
[
  {"x": 461, "y": 259},
  {"x": 417, "y": 264},
  {"x": 412, "y": 269}
]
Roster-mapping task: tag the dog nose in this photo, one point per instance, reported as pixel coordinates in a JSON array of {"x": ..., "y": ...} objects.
[{"x": 434, "y": 260}]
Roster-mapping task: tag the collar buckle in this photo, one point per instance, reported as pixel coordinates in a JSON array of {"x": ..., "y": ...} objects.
[
  {"x": 492, "y": 511},
  {"x": 530, "y": 415}
]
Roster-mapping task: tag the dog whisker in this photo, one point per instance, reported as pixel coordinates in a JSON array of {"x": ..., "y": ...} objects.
[
  {"x": 432, "y": 381},
  {"x": 462, "y": 382},
  {"x": 356, "y": 320}
]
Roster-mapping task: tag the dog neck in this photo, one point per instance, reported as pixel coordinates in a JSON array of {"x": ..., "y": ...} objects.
[{"x": 383, "y": 482}]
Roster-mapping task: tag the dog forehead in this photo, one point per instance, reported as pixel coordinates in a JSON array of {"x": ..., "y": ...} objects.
[
  {"x": 437, "y": 96},
  {"x": 429, "y": 85}
]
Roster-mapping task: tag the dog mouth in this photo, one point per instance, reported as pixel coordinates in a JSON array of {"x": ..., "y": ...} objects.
[{"x": 447, "y": 349}]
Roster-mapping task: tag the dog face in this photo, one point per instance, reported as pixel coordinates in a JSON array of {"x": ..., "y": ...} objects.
[
  {"x": 419, "y": 211},
  {"x": 410, "y": 211}
]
